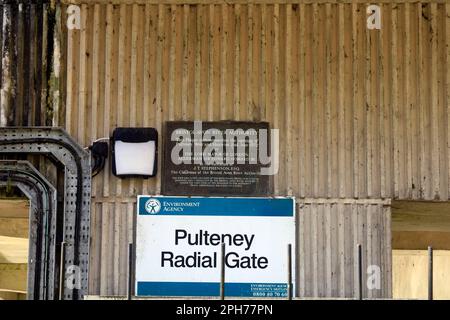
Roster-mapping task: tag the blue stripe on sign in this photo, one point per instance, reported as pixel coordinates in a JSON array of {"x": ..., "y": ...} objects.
[
  {"x": 204, "y": 289},
  {"x": 265, "y": 207}
]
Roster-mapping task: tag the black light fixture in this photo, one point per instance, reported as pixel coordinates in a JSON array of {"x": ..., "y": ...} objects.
[{"x": 134, "y": 152}]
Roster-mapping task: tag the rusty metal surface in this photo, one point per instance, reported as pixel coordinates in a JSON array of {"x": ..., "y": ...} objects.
[{"x": 29, "y": 79}]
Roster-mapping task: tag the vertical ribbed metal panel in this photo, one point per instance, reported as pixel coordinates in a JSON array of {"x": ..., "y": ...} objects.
[
  {"x": 362, "y": 113},
  {"x": 329, "y": 231},
  {"x": 30, "y": 78}
]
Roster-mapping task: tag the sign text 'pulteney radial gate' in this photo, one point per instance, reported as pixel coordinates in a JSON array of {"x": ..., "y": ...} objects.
[{"x": 179, "y": 239}]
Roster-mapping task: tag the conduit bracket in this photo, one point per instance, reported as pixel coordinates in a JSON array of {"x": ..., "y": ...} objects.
[
  {"x": 57, "y": 145},
  {"x": 42, "y": 197}
]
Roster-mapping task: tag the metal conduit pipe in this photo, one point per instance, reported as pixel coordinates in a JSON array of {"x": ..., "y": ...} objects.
[
  {"x": 47, "y": 214},
  {"x": 35, "y": 289},
  {"x": 53, "y": 142},
  {"x": 22, "y": 172}
]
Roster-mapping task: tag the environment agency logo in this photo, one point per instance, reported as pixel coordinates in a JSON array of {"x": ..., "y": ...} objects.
[{"x": 152, "y": 206}]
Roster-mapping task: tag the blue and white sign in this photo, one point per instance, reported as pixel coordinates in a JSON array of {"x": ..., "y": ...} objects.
[{"x": 179, "y": 239}]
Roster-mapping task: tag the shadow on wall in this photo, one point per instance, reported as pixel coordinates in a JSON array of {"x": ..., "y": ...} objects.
[
  {"x": 415, "y": 226},
  {"x": 13, "y": 271},
  {"x": 410, "y": 274}
]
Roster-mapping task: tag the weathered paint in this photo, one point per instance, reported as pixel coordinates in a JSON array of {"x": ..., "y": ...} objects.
[
  {"x": 30, "y": 73},
  {"x": 337, "y": 91},
  {"x": 363, "y": 114}
]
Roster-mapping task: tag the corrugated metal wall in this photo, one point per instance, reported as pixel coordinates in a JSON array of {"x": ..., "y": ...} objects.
[
  {"x": 329, "y": 231},
  {"x": 30, "y": 77},
  {"x": 32, "y": 92},
  {"x": 362, "y": 113}
]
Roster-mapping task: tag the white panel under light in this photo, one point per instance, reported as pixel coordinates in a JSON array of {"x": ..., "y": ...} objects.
[{"x": 135, "y": 158}]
